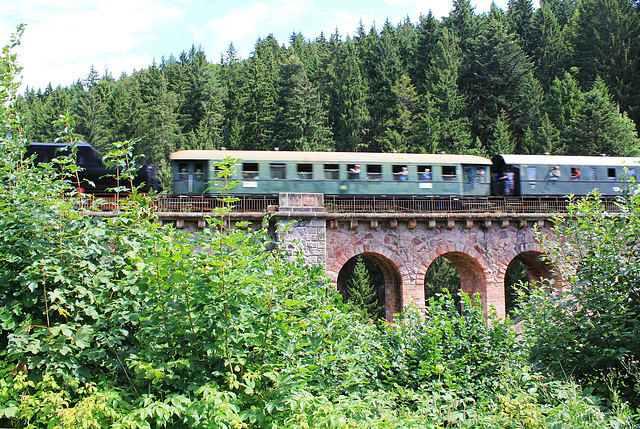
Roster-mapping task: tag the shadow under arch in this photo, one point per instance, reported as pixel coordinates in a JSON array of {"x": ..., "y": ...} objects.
[
  {"x": 539, "y": 272},
  {"x": 392, "y": 282},
  {"x": 472, "y": 276}
]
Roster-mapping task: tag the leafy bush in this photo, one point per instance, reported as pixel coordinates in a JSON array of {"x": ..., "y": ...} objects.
[
  {"x": 119, "y": 322},
  {"x": 590, "y": 330},
  {"x": 453, "y": 349}
]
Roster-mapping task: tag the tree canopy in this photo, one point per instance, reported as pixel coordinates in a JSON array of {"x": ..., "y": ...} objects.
[{"x": 561, "y": 78}]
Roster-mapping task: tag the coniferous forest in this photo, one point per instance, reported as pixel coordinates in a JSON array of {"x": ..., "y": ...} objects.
[{"x": 562, "y": 78}]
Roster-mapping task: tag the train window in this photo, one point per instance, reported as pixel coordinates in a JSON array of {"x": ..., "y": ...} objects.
[
  {"x": 611, "y": 173},
  {"x": 184, "y": 171},
  {"x": 331, "y": 171},
  {"x": 424, "y": 172},
  {"x": 449, "y": 173},
  {"x": 575, "y": 173},
  {"x": 400, "y": 172},
  {"x": 374, "y": 172},
  {"x": 467, "y": 173},
  {"x": 249, "y": 170},
  {"x": 354, "y": 171},
  {"x": 278, "y": 171},
  {"x": 305, "y": 171},
  {"x": 532, "y": 173},
  {"x": 481, "y": 175},
  {"x": 593, "y": 173},
  {"x": 198, "y": 171}
]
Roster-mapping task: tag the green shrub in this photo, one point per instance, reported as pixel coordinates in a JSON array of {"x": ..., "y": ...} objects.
[
  {"x": 122, "y": 323},
  {"x": 588, "y": 331}
]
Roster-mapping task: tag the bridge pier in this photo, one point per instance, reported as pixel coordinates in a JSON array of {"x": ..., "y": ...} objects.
[{"x": 306, "y": 235}]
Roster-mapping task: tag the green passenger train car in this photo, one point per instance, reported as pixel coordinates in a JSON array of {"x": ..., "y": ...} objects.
[
  {"x": 334, "y": 173},
  {"x": 551, "y": 175}
]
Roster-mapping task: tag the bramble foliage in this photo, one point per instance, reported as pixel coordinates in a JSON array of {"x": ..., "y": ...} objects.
[
  {"x": 590, "y": 332},
  {"x": 119, "y": 322}
]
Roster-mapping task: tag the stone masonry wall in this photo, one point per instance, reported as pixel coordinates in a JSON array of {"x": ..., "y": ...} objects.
[
  {"x": 306, "y": 236},
  {"x": 480, "y": 250},
  {"x": 297, "y": 228}
]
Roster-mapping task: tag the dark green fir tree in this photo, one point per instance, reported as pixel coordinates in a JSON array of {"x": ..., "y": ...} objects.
[{"x": 362, "y": 293}]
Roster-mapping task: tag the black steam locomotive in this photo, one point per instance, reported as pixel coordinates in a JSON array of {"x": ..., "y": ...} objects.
[{"x": 95, "y": 178}]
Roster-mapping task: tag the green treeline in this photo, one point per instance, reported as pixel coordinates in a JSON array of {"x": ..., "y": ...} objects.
[{"x": 560, "y": 79}]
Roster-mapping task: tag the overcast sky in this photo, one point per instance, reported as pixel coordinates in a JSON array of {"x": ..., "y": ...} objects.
[{"x": 64, "y": 38}]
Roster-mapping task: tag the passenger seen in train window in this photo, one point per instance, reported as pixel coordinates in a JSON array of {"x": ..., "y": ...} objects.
[
  {"x": 426, "y": 174},
  {"x": 510, "y": 183},
  {"x": 575, "y": 173},
  {"x": 480, "y": 175},
  {"x": 403, "y": 174},
  {"x": 501, "y": 180},
  {"x": 554, "y": 173},
  {"x": 354, "y": 173},
  {"x": 184, "y": 172}
]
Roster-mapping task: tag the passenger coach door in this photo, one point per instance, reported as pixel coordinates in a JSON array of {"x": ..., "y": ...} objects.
[
  {"x": 192, "y": 178},
  {"x": 471, "y": 181},
  {"x": 198, "y": 178}
]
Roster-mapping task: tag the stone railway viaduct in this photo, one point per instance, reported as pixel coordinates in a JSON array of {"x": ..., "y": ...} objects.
[{"x": 480, "y": 245}]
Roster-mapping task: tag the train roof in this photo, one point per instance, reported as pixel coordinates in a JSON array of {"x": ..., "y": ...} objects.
[
  {"x": 60, "y": 144},
  {"x": 574, "y": 161},
  {"x": 45, "y": 152},
  {"x": 334, "y": 157}
]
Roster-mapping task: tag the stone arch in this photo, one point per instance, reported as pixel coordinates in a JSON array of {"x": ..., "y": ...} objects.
[
  {"x": 540, "y": 272},
  {"x": 392, "y": 279},
  {"x": 472, "y": 269},
  {"x": 538, "y": 269}
]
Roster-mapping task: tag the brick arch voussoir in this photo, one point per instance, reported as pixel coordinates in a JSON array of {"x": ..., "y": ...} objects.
[
  {"x": 380, "y": 255},
  {"x": 535, "y": 268},
  {"x": 511, "y": 254},
  {"x": 392, "y": 271},
  {"x": 434, "y": 254},
  {"x": 474, "y": 277}
]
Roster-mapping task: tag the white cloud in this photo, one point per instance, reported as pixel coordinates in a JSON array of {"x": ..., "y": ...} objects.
[
  {"x": 243, "y": 26},
  {"x": 63, "y": 39},
  {"x": 413, "y": 8},
  {"x": 237, "y": 26}
]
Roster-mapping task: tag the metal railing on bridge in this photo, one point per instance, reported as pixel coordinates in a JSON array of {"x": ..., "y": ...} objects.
[
  {"x": 245, "y": 204},
  {"x": 522, "y": 205},
  {"x": 187, "y": 204},
  {"x": 269, "y": 204}
]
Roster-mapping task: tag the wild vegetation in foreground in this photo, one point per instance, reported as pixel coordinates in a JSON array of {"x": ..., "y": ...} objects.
[{"x": 118, "y": 322}]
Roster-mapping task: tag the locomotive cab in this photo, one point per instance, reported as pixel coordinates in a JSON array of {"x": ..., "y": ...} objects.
[{"x": 94, "y": 176}]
